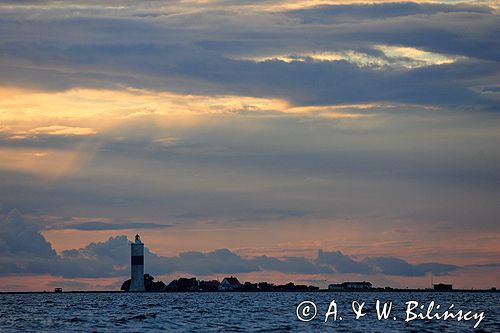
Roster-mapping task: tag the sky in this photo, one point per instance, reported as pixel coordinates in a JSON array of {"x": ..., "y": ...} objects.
[{"x": 307, "y": 141}]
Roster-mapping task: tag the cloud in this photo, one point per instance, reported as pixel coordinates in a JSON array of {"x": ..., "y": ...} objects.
[
  {"x": 25, "y": 251},
  {"x": 113, "y": 254},
  {"x": 98, "y": 225},
  {"x": 62, "y": 130},
  {"x": 342, "y": 263},
  {"x": 23, "y": 239},
  {"x": 214, "y": 133},
  {"x": 218, "y": 261},
  {"x": 104, "y": 259},
  {"x": 397, "y": 266},
  {"x": 102, "y": 47},
  {"x": 379, "y": 57},
  {"x": 292, "y": 265},
  {"x": 383, "y": 265},
  {"x": 327, "y": 14},
  {"x": 272, "y": 168}
]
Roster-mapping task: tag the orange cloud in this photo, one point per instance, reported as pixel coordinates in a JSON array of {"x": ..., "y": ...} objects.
[
  {"x": 86, "y": 112},
  {"x": 63, "y": 130}
]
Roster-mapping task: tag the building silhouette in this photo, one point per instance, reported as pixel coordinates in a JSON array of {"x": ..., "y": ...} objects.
[
  {"x": 351, "y": 286},
  {"x": 230, "y": 283}
]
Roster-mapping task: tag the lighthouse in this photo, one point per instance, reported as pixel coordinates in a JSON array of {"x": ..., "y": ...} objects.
[{"x": 137, "y": 265}]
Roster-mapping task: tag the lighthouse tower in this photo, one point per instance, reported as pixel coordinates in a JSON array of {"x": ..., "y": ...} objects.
[{"x": 137, "y": 265}]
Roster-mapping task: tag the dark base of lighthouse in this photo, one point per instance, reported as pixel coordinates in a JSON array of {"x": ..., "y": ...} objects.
[{"x": 149, "y": 284}]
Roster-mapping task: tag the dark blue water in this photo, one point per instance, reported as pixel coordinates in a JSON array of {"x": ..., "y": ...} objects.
[{"x": 233, "y": 312}]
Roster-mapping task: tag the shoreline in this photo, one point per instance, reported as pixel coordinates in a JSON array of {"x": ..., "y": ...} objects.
[{"x": 246, "y": 291}]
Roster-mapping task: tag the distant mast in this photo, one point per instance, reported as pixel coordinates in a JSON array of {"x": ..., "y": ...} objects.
[{"x": 137, "y": 265}]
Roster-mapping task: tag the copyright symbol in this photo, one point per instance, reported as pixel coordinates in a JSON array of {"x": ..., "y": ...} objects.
[{"x": 306, "y": 311}]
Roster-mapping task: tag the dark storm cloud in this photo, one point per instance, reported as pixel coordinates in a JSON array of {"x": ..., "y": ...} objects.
[
  {"x": 105, "y": 48},
  {"x": 113, "y": 254},
  {"x": 337, "y": 82},
  {"x": 23, "y": 248},
  {"x": 19, "y": 237},
  {"x": 327, "y": 14},
  {"x": 343, "y": 263},
  {"x": 436, "y": 34},
  {"x": 397, "y": 266},
  {"x": 25, "y": 251},
  {"x": 292, "y": 265},
  {"x": 110, "y": 258},
  {"x": 218, "y": 261}
]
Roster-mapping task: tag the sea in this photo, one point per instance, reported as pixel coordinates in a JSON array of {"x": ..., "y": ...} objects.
[{"x": 246, "y": 312}]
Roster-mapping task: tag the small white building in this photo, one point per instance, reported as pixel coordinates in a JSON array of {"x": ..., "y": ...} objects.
[{"x": 230, "y": 283}]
